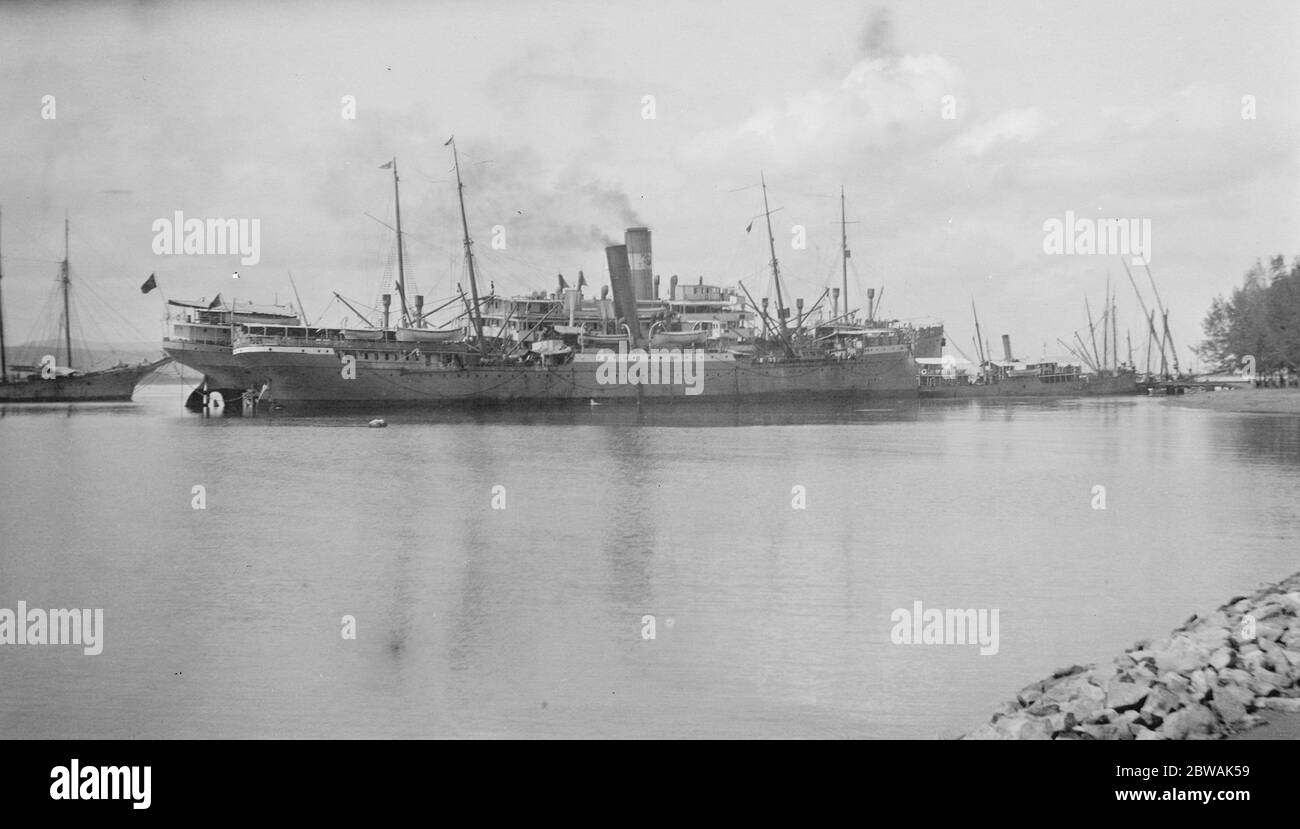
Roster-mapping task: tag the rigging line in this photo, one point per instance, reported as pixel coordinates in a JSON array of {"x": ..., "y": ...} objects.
[{"x": 84, "y": 285}]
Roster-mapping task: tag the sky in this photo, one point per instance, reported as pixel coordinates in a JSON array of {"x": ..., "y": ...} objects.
[{"x": 957, "y": 130}]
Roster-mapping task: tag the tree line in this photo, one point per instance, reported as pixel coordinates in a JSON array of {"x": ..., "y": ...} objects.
[{"x": 1260, "y": 319}]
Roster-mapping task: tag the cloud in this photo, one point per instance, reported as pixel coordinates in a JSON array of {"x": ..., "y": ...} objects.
[{"x": 1017, "y": 126}]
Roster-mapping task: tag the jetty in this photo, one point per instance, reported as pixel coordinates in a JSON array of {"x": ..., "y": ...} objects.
[{"x": 1214, "y": 676}]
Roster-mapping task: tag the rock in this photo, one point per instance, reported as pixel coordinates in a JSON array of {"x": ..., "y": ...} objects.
[
  {"x": 1274, "y": 656},
  {"x": 1122, "y": 696},
  {"x": 1270, "y": 631},
  {"x": 1221, "y": 658},
  {"x": 1232, "y": 703},
  {"x": 1143, "y": 733},
  {"x": 1159, "y": 702},
  {"x": 1182, "y": 656},
  {"x": 1060, "y": 673},
  {"x": 1279, "y": 704},
  {"x": 1062, "y": 721},
  {"x": 986, "y": 732},
  {"x": 1209, "y": 638},
  {"x": 1144, "y": 671},
  {"x": 1264, "y": 682},
  {"x": 1101, "y": 731},
  {"x": 1188, "y": 722},
  {"x": 1252, "y": 660},
  {"x": 1035, "y": 730},
  {"x": 1087, "y": 700},
  {"x": 1174, "y": 682},
  {"x": 1030, "y": 694},
  {"x": 1200, "y": 684},
  {"x": 1266, "y": 611}
]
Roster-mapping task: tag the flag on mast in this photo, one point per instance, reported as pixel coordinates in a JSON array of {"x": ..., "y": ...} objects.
[
  {"x": 149, "y": 284},
  {"x": 389, "y": 165}
]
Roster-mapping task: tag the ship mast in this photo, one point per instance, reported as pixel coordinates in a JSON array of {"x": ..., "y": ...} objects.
[
  {"x": 844, "y": 249},
  {"x": 65, "y": 279},
  {"x": 401, "y": 261},
  {"x": 776, "y": 268},
  {"x": 469, "y": 254},
  {"x": 978, "y": 336},
  {"x": 4, "y": 366}
]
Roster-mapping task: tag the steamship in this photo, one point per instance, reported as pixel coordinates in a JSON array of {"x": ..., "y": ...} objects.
[
  {"x": 568, "y": 347},
  {"x": 200, "y": 337},
  {"x": 945, "y": 378}
]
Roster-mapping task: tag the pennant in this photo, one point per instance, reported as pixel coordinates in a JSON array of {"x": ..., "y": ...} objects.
[
  {"x": 749, "y": 227},
  {"x": 149, "y": 284},
  {"x": 448, "y": 141},
  {"x": 389, "y": 165},
  {"x": 215, "y": 302}
]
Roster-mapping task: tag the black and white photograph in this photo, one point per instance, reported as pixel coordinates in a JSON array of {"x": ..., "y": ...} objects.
[{"x": 918, "y": 371}]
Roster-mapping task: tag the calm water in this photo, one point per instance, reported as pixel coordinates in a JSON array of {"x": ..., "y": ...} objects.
[{"x": 527, "y": 621}]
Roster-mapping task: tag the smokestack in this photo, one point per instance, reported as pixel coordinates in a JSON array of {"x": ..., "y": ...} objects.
[
  {"x": 620, "y": 284},
  {"x": 871, "y": 301},
  {"x": 604, "y": 292},
  {"x": 672, "y": 287},
  {"x": 656, "y": 286},
  {"x": 835, "y": 302},
  {"x": 640, "y": 261},
  {"x": 1006, "y": 348},
  {"x": 572, "y": 299},
  {"x": 419, "y": 311},
  {"x": 387, "y": 299},
  {"x": 563, "y": 285}
]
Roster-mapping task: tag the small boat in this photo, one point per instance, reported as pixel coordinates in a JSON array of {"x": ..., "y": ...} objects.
[
  {"x": 369, "y": 334},
  {"x": 551, "y": 348},
  {"x": 679, "y": 339},
  {"x": 430, "y": 335},
  {"x": 606, "y": 340}
]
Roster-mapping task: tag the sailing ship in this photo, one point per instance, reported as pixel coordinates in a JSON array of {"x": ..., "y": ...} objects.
[
  {"x": 598, "y": 360},
  {"x": 50, "y": 382}
]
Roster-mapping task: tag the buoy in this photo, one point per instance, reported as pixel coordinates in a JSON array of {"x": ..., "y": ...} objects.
[
  {"x": 378, "y": 423},
  {"x": 593, "y": 402}
]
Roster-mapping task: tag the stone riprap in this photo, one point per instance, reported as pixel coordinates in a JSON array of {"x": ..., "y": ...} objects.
[{"x": 1205, "y": 680}]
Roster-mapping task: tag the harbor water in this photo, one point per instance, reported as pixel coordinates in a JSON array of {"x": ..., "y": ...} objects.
[{"x": 609, "y": 571}]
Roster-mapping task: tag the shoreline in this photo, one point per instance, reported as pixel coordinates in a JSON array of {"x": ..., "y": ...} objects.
[
  {"x": 1241, "y": 401},
  {"x": 1231, "y": 673}
]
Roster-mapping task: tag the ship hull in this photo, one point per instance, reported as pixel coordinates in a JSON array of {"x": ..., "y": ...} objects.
[
  {"x": 110, "y": 385},
  {"x": 313, "y": 379},
  {"x": 1033, "y": 387},
  {"x": 215, "y": 362}
]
